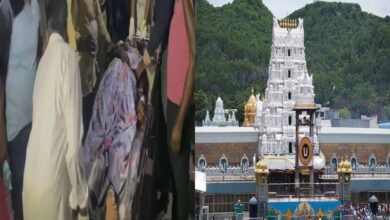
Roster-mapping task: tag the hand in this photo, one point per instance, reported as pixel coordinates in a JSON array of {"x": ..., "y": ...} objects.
[
  {"x": 147, "y": 60},
  {"x": 83, "y": 211},
  {"x": 86, "y": 44},
  {"x": 176, "y": 138}
]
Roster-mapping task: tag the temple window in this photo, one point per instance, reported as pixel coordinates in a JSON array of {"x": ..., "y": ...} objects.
[
  {"x": 244, "y": 163},
  {"x": 289, "y": 73},
  {"x": 289, "y": 96},
  {"x": 202, "y": 162},
  {"x": 289, "y": 120},
  {"x": 223, "y": 164},
  {"x": 372, "y": 162},
  {"x": 288, "y": 52},
  {"x": 353, "y": 163},
  {"x": 290, "y": 147},
  {"x": 334, "y": 162}
]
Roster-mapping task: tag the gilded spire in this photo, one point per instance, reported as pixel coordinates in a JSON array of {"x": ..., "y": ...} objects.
[
  {"x": 288, "y": 23},
  {"x": 250, "y": 110}
]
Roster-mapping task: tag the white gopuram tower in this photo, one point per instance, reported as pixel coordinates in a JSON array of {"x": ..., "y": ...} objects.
[
  {"x": 219, "y": 118},
  {"x": 288, "y": 82}
]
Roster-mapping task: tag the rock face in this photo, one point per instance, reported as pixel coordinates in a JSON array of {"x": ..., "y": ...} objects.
[{"x": 288, "y": 83}]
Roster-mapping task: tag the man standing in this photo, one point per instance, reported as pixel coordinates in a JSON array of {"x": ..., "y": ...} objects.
[
  {"x": 6, "y": 17},
  {"x": 54, "y": 182},
  {"x": 174, "y": 30},
  {"x": 19, "y": 88},
  {"x": 177, "y": 89},
  {"x": 162, "y": 14},
  {"x": 89, "y": 25}
]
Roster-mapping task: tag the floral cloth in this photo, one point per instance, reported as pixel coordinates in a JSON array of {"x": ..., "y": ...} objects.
[{"x": 113, "y": 125}]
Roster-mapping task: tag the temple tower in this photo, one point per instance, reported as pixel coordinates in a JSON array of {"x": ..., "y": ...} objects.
[{"x": 288, "y": 77}]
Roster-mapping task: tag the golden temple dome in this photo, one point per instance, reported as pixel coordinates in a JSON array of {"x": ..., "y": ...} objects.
[
  {"x": 347, "y": 166},
  {"x": 251, "y": 104},
  {"x": 250, "y": 111},
  {"x": 344, "y": 166}
]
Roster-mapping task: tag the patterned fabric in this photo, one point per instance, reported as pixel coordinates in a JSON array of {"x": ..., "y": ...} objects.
[{"x": 113, "y": 124}]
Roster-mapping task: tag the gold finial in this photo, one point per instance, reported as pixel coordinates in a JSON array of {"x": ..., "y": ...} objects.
[
  {"x": 261, "y": 167},
  {"x": 250, "y": 110}
]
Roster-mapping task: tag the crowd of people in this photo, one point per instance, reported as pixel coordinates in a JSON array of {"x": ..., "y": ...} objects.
[
  {"x": 95, "y": 95},
  {"x": 363, "y": 211}
]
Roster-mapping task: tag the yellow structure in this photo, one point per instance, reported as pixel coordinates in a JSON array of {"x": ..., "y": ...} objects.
[
  {"x": 340, "y": 169},
  {"x": 347, "y": 170},
  {"x": 288, "y": 23},
  {"x": 250, "y": 111},
  {"x": 261, "y": 172},
  {"x": 289, "y": 214}
]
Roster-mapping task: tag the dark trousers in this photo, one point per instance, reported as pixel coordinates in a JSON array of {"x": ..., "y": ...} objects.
[
  {"x": 183, "y": 203},
  {"x": 17, "y": 156},
  {"x": 87, "y": 111}
]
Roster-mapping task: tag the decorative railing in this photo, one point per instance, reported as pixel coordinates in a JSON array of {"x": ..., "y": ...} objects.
[
  {"x": 239, "y": 171},
  {"x": 360, "y": 169},
  {"x": 304, "y": 190},
  {"x": 236, "y": 170}
]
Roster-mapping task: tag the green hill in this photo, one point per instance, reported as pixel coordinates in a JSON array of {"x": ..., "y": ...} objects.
[{"x": 347, "y": 50}]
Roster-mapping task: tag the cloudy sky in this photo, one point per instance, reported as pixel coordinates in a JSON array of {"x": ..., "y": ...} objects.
[{"x": 281, "y": 8}]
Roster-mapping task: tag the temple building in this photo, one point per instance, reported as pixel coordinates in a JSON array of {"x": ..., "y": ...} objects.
[
  {"x": 220, "y": 113},
  {"x": 288, "y": 80},
  {"x": 227, "y": 155}
]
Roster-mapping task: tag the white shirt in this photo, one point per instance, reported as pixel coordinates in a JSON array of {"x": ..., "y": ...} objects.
[
  {"x": 54, "y": 182},
  {"x": 21, "y": 69}
]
